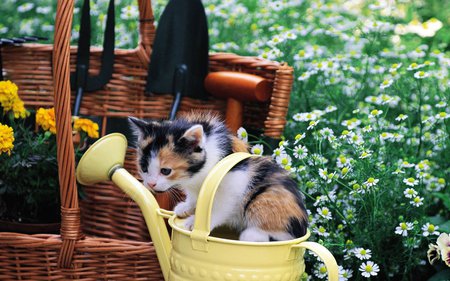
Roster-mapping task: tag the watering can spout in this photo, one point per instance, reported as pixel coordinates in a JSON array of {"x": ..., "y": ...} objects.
[{"x": 104, "y": 161}]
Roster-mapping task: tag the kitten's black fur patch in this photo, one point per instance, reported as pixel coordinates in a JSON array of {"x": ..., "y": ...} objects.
[{"x": 296, "y": 228}]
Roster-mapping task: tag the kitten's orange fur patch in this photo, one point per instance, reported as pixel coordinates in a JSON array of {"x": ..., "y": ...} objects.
[
  {"x": 169, "y": 159},
  {"x": 239, "y": 145},
  {"x": 143, "y": 144},
  {"x": 273, "y": 209}
]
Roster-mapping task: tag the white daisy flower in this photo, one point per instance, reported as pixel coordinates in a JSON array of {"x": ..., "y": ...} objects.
[
  {"x": 299, "y": 137},
  {"x": 325, "y": 213},
  {"x": 421, "y": 75},
  {"x": 304, "y": 76},
  {"x": 441, "y": 104},
  {"x": 414, "y": 66},
  {"x": 442, "y": 115},
  {"x": 398, "y": 171},
  {"x": 257, "y": 149},
  {"x": 375, "y": 113},
  {"x": 284, "y": 160},
  {"x": 403, "y": 227},
  {"x": 417, "y": 201},
  {"x": 371, "y": 182},
  {"x": 386, "y": 136},
  {"x": 367, "y": 129},
  {"x": 394, "y": 67},
  {"x": 330, "y": 108},
  {"x": 369, "y": 268},
  {"x": 365, "y": 154},
  {"x": 410, "y": 193},
  {"x": 321, "y": 271},
  {"x": 242, "y": 134},
  {"x": 406, "y": 164},
  {"x": 323, "y": 173},
  {"x": 362, "y": 254},
  {"x": 327, "y": 133},
  {"x": 386, "y": 83},
  {"x": 401, "y": 117},
  {"x": 411, "y": 181},
  {"x": 300, "y": 152},
  {"x": 430, "y": 229},
  {"x": 25, "y": 7},
  {"x": 312, "y": 124},
  {"x": 345, "y": 274},
  {"x": 321, "y": 231}
]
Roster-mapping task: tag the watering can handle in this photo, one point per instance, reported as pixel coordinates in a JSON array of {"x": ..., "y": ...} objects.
[
  {"x": 202, "y": 224},
  {"x": 325, "y": 255}
]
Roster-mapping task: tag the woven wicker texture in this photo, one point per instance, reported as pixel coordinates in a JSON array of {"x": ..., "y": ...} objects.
[{"x": 113, "y": 242}]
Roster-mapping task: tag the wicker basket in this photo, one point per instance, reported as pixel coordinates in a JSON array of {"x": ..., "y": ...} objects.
[{"x": 109, "y": 240}]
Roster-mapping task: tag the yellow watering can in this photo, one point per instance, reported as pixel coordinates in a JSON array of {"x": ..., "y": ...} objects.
[{"x": 195, "y": 255}]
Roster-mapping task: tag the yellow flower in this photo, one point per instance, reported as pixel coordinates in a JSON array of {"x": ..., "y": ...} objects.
[
  {"x": 86, "y": 125},
  {"x": 19, "y": 109},
  {"x": 10, "y": 100},
  {"x": 46, "y": 119},
  {"x": 6, "y": 139}
]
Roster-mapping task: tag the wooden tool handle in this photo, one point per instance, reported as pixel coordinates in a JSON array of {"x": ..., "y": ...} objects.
[{"x": 238, "y": 85}]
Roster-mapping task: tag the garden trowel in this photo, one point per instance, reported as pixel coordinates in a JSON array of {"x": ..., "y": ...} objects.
[{"x": 179, "y": 61}]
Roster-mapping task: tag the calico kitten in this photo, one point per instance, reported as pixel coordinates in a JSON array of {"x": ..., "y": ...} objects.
[{"x": 257, "y": 196}]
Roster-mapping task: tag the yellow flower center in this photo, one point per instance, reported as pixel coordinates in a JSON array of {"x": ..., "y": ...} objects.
[
  {"x": 363, "y": 252},
  {"x": 368, "y": 268},
  {"x": 257, "y": 151},
  {"x": 431, "y": 228},
  {"x": 442, "y": 114},
  {"x": 403, "y": 226},
  {"x": 323, "y": 270},
  {"x": 371, "y": 180}
]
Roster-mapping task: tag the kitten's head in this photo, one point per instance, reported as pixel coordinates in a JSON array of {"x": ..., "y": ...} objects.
[{"x": 169, "y": 152}]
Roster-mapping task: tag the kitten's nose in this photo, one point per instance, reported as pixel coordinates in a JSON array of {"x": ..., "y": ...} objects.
[{"x": 151, "y": 184}]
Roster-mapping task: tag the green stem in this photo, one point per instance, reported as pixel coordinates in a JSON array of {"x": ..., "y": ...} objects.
[{"x": 419, "y": 85}]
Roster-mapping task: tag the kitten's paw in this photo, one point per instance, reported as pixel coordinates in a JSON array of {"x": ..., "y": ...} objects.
[
  {"x": 189, "y": 223},
  {"x": 183, "y": 210},
  {"x": 253, "y": 234}
]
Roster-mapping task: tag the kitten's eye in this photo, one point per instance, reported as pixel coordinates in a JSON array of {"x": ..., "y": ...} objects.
[{"x": 166, "y": 171}]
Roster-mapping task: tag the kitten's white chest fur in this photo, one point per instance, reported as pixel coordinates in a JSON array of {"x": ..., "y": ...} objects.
[{"x": 227, "y": 204}]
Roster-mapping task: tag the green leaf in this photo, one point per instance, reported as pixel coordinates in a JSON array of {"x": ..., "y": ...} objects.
[
  {"x": 437, "y": 220},
  {"x": 445, "y": 199},
  {"x": 445, "y": 227},
  {"x": 443, "y": 275}
]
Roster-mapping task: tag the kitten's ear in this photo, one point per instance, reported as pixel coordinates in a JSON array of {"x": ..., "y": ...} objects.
[
  {"x": 139, "y": 127},
  {"x": 194, "y": 136}
]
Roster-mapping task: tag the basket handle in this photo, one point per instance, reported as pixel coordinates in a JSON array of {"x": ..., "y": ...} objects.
[
  {"x": 146, "y": 30},
  {"x": 202, "y": 224},
  {"x": 70, "y": 211}
]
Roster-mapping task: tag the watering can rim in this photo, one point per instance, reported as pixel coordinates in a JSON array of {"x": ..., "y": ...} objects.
[{"x": 176, "y": 227}]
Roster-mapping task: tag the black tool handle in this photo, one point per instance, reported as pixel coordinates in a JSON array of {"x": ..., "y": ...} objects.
[
  {"x": 81, "y": 82},
  {"x": 179, "y": 85}
]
